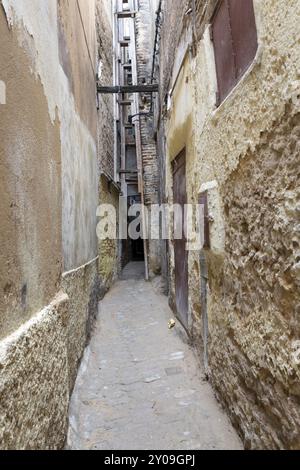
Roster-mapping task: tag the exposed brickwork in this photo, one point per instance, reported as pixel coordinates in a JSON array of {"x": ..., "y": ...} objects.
[
  {"x": 144, "y": 62},
  {"x": 150, "y": 164},
  {"x": 144, "y": 31}
]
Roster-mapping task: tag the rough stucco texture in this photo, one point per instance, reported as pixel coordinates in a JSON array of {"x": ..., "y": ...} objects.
[
  {"x": 34, "y": 382},
  {"x": 109, "y": 259},
  {"x": 82, "y": 287},
  {"x": 256, "y": 372}
]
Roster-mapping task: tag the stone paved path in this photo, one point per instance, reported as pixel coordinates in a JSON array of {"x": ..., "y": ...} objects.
[{"x": 139, "y": 385}]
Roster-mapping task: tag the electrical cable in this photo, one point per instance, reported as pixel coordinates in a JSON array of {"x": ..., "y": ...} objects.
[{"x": 86, "y": 40}]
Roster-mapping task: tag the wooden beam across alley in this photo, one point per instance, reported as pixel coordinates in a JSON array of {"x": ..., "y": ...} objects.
[{"x": 128, "y": 89}]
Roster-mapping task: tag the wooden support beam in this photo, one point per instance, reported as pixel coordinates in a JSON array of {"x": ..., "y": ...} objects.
[
  {"x": 125, "y": 102},
  {"x": 126, "y": 14},
  {"x": 128, "y": 89}
]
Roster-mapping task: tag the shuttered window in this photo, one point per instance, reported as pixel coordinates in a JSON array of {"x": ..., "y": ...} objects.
[{"x": 234, "y": 37}]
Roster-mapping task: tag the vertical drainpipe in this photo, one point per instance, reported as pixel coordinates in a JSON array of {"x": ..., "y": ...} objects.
[
  {"x": 139, "y": 144},
  {"x": 204, "y": 281}
]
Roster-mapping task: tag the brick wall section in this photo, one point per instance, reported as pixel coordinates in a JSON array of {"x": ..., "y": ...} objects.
[
  {"x": 144, "y": 61},
  {"x": 150, "y": 164}
]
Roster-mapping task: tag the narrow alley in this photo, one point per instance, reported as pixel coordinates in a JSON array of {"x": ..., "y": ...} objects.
[
  {"x": 149, "y": 225},
  {"x": 139, "y": 386}
]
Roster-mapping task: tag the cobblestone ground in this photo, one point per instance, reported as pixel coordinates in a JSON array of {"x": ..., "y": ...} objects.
[{"x": 139, "y": 385}]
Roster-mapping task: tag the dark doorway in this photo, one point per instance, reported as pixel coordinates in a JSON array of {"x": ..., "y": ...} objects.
[
  {"x": 137, "y": 250},
  {"x": 181, "y": 254},
  {"x": 133, "y": 250}
]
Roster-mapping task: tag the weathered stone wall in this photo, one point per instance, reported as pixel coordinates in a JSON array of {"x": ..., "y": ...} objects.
[
  {"x": 257, "y": 291},
  {"x": 82, "y": 286},
  {"x": 50, "y": 180},
  {"x": 34, "y": 381},
  {"x": 246, "y": 154}
]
